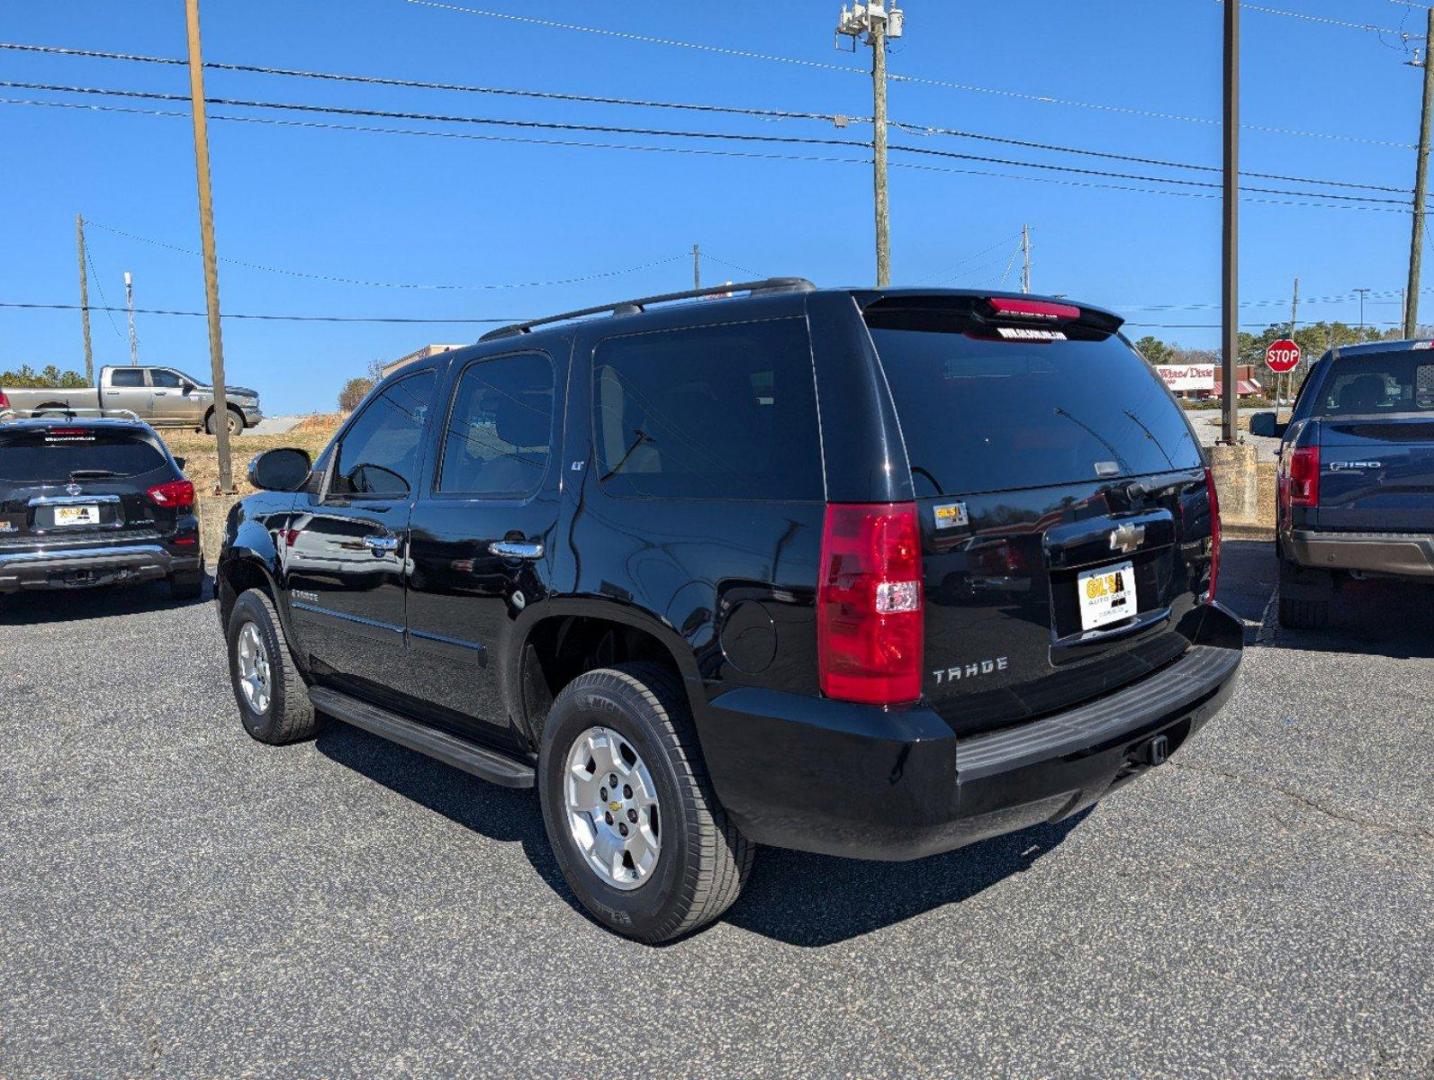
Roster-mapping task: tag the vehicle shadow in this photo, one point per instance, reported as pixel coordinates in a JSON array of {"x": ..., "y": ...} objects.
[
  {"x": 800, "y": 899},
  {"x": 72, "y": 605},
  {"x": 1370, "y": 618},
  {"x": 816, "y": 900}
]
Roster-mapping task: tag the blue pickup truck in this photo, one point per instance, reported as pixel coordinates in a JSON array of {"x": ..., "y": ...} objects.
[{"x": 1356, "y": 475}]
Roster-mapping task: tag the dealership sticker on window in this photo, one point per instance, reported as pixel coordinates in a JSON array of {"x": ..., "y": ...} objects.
[{"x": 951, "y": 516}]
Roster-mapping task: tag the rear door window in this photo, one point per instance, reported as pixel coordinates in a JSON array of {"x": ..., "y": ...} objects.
[
  {"x": 981, "y": 414},
  {"x": 59, "y": 455},
  {"x": 500, "y": 428},
  {"x": 709, "y": 412},
  {"x": 127, "y": 377}
]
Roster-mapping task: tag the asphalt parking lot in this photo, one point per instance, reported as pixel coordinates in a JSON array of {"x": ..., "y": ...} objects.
[{"x": 181, "y": 901}]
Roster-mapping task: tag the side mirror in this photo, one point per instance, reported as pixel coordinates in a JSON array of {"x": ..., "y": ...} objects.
[
  {"x": 189, "y": 388},
  {"x": 179, "y": 462},
  {"x": 280, "y": 470},
  {"x": 1267, "y": 426}
]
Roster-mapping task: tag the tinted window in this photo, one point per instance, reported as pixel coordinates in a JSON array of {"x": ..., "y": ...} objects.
[
  {"x": 711, "y": 412},
  {"x": 991, "y": 415},
  {"x": 1383, "y": 382},
  {"x": 379, "y": 453},
  {"x": 53, "y": 455},
  {"x": 127, "y": 377},
  {"x": 500, "y": 428},
  {"x": 167, "y": 379}
]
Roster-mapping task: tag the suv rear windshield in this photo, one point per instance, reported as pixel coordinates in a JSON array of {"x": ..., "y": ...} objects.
[
  {"x": 55, "y": 455},
  {"x": 1381, "y": 382},
  {"x": 984, "y": 414}
]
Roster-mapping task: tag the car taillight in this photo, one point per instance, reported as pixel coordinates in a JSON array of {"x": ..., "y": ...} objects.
[
  {"x": 175, "y": 495},
  {"x": 1214, "y": 533},
  {"x": 4, "y": 401},
  {"x": 870, "y": 632},
  {"x": 1303, "y": 485}
]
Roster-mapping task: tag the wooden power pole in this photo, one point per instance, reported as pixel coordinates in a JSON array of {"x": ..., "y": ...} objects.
[
  {"x": 1025, "y": 258},
  {"x": 1421, "y": 191},
  {"x": 1230, "y": 285},
  {"x": 206, "y": 234},
  {"x": 84, "y": 299},
  {"x": 696, "y": 266},
  {"x": 878, "y": 21}
]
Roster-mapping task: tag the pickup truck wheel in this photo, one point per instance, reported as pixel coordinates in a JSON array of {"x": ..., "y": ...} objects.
[
  {"x": 186, "y": 588},
  {"x": 236, "y": 422},
  {"x": 1303, "y": 614},
  {"x": 629, "y": 809},
  {"x": 273, "y": 701}
]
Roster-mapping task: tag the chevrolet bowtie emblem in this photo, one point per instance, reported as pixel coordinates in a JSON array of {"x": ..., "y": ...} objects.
[
  {"x": 614, "y": 806},
  {"x": 1126, "y": 538}
]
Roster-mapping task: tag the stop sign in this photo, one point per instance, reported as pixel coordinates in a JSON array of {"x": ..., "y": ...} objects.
[{"x": 1282, "y": 356}]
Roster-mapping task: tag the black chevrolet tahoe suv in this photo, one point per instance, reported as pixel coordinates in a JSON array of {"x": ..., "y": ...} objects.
[
  {"x": 94, "y": 501},
  {"x": 1355, "y": 492},
  {"x": 873, "y": 573}
]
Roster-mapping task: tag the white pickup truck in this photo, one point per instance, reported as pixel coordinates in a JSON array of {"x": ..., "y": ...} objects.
[{"x": 160, "y": 396}]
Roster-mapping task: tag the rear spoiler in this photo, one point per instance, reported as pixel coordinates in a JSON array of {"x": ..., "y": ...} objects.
[{"x": 991, "y": 309}]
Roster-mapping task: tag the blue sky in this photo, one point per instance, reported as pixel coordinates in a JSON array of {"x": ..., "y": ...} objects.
[{"x": 418, "y": 209}]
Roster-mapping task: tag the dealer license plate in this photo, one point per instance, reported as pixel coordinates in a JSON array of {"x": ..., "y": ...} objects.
[
  {"x": 1106, "y": 594},
  {"x": 86, "y": 514}
]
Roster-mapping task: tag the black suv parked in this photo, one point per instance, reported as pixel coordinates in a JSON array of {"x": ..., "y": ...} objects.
[
  {"x": 1356, "y": 479},
  {"x": 870, "y": 573},
  {"x": 94, "y": 501}
]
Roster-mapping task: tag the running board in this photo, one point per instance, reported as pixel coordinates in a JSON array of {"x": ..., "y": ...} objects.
[{"x": 490, "y": 765}]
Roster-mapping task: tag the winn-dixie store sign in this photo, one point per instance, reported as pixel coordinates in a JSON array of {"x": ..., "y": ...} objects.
[{"x": 1188, "y": 376}]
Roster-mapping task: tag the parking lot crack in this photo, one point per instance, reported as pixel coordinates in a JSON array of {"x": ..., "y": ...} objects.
[{"x": 1422, "y": 835}]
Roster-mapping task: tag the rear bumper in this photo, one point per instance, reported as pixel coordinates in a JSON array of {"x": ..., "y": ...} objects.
[
  {"x": 863, "y": 782},
  {"x": 85, "y": 567},
  {"x": 1400, "y": 554}
]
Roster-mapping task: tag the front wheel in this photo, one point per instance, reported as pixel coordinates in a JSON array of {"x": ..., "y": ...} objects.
[
  {"x": 235, "y": 421},
  {"x": 274, "y": 704},
  {"x": 629, "y": 809}
]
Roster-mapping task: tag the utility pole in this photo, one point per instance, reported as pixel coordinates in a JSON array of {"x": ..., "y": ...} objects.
[
  {"x": 1361, "y": 312},
  {"x": 1025, "y": 258},
  {"x": 1294, "y": 320},
  {"x": 1230, "y": 298},
  {"x": 84, "y": 299},
  {"x": 696, "y": 267},
  {"x": 873, "y": 19},
  {"x": 129, "y": 306},
  {"x": 1421, "y": 187},
  {"x": 206, "y": 235}
]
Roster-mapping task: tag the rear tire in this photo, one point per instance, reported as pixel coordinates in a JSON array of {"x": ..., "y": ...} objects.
[
  {"x": 1304, "y": 614},
  {"x": 701, "y": 860},
  {"x": 274, "y": 703},
  {"x": 186, "y": 588}
]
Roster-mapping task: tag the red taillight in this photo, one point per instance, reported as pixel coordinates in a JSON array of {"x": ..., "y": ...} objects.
[
  {"x": 175, "y": 495},
  {"x": 1303, "y": 485},
  {"x": 870, "y": 631},
  {"x": 1032, "y": 309},
  {"x": 1214, "y": 532},
  {"x": 4, "y": 401}
]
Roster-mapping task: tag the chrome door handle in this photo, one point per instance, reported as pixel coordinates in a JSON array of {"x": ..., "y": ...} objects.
[
  {"x": 381, "y": 545},
  {"x": 516, "y": 549}
]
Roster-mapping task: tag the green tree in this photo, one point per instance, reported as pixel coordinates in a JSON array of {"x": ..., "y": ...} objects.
[
  {"x": 50, "y": 376},
  {"x": 353, "y": 392},
  {"x": 1153, "y": 349}
]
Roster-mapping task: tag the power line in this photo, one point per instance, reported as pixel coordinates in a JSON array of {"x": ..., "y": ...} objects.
[
  {"x": 701, "y": 151},
  {"x": 390, "y": 284},
  {"x": 265, "y": 317},
  {"x": 659, "y": 133},
  {"x": 777, "y": 114},
  {"x": 1326, "y": 20},
  {"x": 100, "y": 287},
  {"x": 1042, "y": 99}
]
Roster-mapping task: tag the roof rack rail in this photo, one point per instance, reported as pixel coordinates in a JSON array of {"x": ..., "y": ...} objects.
[
  {"x": 633, "y": 307},
  {"x": 52, "y": 412}
]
